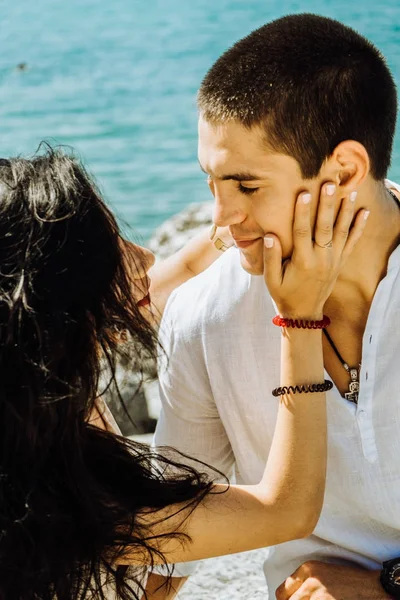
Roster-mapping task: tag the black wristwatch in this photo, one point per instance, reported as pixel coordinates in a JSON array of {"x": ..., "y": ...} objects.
[{"x": 390, "y": 577}]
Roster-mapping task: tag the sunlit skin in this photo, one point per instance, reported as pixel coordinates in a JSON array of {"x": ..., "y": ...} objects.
[{"x": 255, "y": 189}]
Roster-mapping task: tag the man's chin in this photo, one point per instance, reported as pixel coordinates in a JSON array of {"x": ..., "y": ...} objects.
[{"x": 254, "y": 265}]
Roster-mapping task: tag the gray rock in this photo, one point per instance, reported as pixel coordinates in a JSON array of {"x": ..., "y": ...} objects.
[
  {"x": 172, "y": 235},
  {"x": 128, "y": 403}
]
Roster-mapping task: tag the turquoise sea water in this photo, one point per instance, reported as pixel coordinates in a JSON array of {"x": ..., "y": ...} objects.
[{"x": 117, "y": 81}]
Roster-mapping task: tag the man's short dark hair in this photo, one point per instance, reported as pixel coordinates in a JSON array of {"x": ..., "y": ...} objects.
[{"x": 312, "y": 83}]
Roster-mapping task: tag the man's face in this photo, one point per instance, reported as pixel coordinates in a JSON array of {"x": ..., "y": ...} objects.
[{"x": 254, "y": 189}]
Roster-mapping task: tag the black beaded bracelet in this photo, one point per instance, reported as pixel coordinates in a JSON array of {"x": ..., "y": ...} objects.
[{"x": 303, "y": 389}]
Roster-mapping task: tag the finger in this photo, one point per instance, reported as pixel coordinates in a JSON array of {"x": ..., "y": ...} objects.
[
  {"x": 272, "y": 263},
  {"x": 302, "y": 235},
  {"x": 224, "y": 234},
  {"x": 343, "y": 222},
  {"x": 323, "y": 232},
  {"x": 355, "y": 233},
  {"x": 309, "y": 589},
  {"x": 301, "y": 594},
  {"x": 288, "y": 588}
]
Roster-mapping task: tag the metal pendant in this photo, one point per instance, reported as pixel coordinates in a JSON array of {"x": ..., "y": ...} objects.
[{"x": 354, "y": 386}]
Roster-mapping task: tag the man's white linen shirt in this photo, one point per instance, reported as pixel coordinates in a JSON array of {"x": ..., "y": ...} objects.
[{"x": 223, "y": 357}]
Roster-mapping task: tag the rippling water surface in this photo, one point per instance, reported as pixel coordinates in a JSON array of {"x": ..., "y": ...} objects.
[{"x": 117, "y": 81}]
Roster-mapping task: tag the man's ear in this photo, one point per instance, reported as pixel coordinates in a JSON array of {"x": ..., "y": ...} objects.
[{"x": 351, "y": 165}]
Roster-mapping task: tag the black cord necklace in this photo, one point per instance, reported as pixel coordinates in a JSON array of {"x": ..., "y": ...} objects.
[{"x": 354, "y": 385}]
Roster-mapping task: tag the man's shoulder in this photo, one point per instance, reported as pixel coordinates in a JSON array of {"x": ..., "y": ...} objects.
[{"x": 212, "y": 292}]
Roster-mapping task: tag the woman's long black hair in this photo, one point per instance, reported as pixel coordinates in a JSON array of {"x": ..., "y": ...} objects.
[{"x": 70, "y": 494}]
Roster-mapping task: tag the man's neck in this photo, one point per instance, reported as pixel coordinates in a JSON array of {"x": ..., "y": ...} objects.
[{"x": 367, "y": 265}]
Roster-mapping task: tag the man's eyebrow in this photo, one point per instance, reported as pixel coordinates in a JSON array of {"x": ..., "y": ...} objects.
[
  {"x": 241, "y": 177},
  {"x": 236, "y": 176}
]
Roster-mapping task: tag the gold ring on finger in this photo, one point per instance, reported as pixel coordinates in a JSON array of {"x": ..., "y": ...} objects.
[{"x": 328, "y": 245}]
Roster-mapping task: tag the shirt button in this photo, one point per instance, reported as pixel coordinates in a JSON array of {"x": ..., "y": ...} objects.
[{"x": 361, "y": 415}]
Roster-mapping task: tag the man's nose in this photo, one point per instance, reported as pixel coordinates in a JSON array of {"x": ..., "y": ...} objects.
[{"x": 227, "y": 209}]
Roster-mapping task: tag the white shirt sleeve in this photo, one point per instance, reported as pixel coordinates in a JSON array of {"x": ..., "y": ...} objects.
[{"x": 189, "y": 419}]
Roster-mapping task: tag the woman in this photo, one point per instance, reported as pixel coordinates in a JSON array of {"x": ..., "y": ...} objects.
[{"x": 77, "y": 501}]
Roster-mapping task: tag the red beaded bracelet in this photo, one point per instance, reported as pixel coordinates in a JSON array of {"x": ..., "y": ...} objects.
[{"x": 301, "y": 323}]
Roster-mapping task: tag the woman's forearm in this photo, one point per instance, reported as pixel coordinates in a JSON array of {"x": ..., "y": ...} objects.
[
  {"x": 286, "y": 503},
  {"x": 294, "y": 477}
]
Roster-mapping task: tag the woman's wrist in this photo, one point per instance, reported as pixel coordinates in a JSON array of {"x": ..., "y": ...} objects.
[
  {"x": 302, "y": 314},
  {"x": 301, "y": 356},
  {"x": 303, "y": 337}
]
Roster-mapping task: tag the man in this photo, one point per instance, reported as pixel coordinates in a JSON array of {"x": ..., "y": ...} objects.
[{"x": 300, "y": 101}]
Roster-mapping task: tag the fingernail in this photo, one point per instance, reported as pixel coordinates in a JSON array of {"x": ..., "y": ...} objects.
[
  {"x": 366, "y": 214},
  {"x": 269, "y": 242},
  {"x": 353, "y": 196},
  {"x": 330, "y": 189},
  {"x": 306, "y": 198}
]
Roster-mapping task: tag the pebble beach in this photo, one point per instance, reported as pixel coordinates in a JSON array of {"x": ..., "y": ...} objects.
[{"x": 236, "y": 577}]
